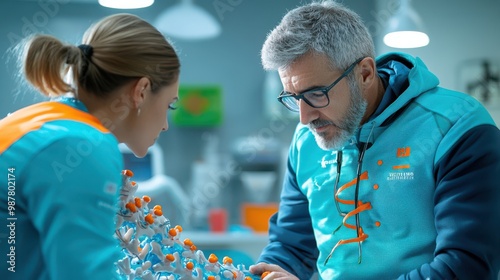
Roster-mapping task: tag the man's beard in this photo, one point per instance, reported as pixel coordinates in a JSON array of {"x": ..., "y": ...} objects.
[{"x": 347, "y": 126}]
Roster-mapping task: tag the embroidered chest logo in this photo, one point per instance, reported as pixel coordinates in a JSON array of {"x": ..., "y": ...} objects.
[
  {"x": 401, "y": 171},
  {"x": 324, "y": 162}
]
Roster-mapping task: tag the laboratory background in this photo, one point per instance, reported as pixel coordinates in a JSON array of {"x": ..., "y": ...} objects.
[{"x": 218, "y": 170}]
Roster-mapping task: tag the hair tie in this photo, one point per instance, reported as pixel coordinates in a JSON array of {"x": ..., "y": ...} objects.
[{"x": 87, "y": 50}]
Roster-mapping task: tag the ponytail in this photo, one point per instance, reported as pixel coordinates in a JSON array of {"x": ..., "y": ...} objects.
[{"x": 46, "y": 61}]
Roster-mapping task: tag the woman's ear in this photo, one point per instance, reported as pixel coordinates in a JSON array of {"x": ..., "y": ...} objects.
[{"x": 139, "y": 91}]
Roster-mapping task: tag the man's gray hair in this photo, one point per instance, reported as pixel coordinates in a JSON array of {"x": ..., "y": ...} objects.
[{"x": 322, "y": 27}]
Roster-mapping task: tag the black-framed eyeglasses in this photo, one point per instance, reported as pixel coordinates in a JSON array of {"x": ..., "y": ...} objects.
[{"x": 317, "y": 97}]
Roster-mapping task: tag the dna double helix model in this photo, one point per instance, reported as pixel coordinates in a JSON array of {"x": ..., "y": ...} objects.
[{"x": 152, "y": 249}]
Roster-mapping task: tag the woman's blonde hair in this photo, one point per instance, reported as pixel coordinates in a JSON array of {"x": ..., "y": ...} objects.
[{"x": 114, "y": 51}]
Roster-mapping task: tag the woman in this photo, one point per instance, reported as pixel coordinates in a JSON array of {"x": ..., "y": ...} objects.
[{"x": 61, "y": 159}]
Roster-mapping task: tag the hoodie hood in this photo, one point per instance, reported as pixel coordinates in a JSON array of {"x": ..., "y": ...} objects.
[{"x": 418, "y": 80}]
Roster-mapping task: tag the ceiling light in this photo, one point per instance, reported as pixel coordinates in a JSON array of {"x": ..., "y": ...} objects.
[
  {"x": 405, "y": 29},
  {"x": 188, "y": 21},
  {"x": 126, "y": 4}
]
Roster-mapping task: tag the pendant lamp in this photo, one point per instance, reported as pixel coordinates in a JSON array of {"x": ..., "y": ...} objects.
[
  {"x": 405, "y": 29},
  {"x": 186, "y": 20},
  {"x": 126, "y": 4}
]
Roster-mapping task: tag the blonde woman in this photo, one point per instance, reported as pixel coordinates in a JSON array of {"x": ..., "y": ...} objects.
[{"x": 61, "y": 159}]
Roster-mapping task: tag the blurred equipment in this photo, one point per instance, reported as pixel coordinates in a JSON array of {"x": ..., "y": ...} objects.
[
  {"x": 126, "y": 4},
  {"x": 260, "y": 160},
  {"x": 405, "y": 29},
  {"x": 480, "y": 78},
  {"x": 485, "y": 86},
  {"x": 258, "y": 184},
  {"x": 188, "y": 21},
  {"x": 149, "y": 173},
  {"x": 206, "y": 188}
]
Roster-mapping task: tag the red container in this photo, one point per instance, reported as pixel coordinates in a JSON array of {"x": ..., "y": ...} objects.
[{"x": 217, "y": 219}]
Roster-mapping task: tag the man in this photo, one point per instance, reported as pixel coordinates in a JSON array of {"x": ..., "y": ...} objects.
[{"x": 389, "y": 175}]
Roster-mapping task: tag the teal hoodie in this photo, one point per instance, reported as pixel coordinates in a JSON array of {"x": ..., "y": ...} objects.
[
  {"x": 60, "y": 171},
  {"x": 427, "y": 192}
]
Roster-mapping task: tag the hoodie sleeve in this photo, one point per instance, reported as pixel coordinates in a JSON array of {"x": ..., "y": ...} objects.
[
  {"x": 466, "y": 210},
  {"x": 292, "y": 245}
]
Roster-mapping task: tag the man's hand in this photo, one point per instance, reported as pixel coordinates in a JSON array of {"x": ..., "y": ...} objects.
[{"x": 271, "y": 272}]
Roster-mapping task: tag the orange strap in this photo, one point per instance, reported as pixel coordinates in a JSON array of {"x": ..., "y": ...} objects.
[
  {"x": 361, "y": 235},
  {"x": 31, "y": 118},
  {"x": 363, "y": 176}
]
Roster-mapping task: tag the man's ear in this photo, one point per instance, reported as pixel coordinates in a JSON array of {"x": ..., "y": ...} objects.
[
  {"x": 139, "y": 91},
  {"x": 368, "y": 71}
]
